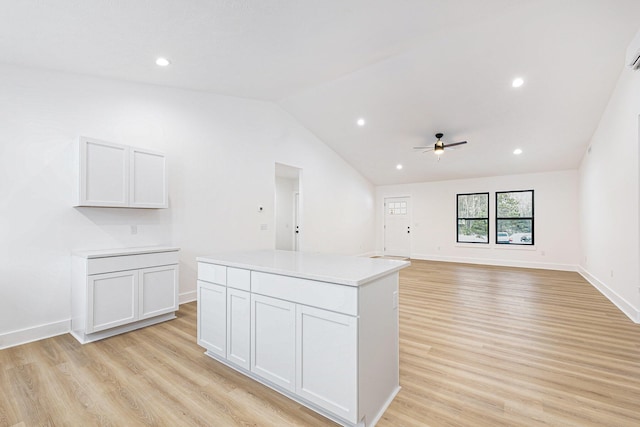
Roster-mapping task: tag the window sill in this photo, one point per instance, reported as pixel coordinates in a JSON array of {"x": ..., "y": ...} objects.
[
  {"x": 516, "y": 247},
  {"x": 496, "y": 246},
  {"x": 473, "y": 245}
]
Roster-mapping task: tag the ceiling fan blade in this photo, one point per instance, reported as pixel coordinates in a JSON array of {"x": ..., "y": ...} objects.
[{"x": 454, "y": 144}]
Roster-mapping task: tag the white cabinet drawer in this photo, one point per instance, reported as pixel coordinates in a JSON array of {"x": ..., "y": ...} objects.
[
  {"x": 212, "y": 273},
  {"x": 239, "y": 278},
  {"x": 330, "y": 296},
  {"x": 130, "y": 262}
]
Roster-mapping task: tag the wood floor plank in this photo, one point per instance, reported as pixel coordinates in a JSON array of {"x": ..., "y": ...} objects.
[{"x": 479, "y": 346}]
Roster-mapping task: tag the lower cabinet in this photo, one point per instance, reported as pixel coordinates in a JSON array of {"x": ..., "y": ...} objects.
[
  {"x": 113, "y": 300},
  {"x": 124, "y": 297},
  {"x": 310, "y": 340},
  {"x": 212, "y": 318},
  {"x": 329, "y": 345},
  {"x": 119, "y": 290},
  {"x": 273, "y": 340},
  {"x": 239, "y": 327},
  {"x": 158, "y": 291},
  {"x": 309, "y": 351},
  {"x": 327, "y": 360}
]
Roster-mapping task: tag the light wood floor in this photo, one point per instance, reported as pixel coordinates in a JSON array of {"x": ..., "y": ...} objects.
[{"x": 479, "y": 346}]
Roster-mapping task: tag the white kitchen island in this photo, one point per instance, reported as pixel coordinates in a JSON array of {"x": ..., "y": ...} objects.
[{"x": 320, "y": 329}]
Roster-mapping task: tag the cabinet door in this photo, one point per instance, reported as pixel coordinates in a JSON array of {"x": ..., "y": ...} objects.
[
  {"x": 158, "y": 289},
  {"x": 326, "y": 360},
  {"x": 212, "y": 318},
  {"x": 104, "y": 173},
  {"x": 112, "y": 300},
  {"x": 273, "y": 334},
  {"x": 148, "y": 179},
  {"x": 238, "y": 327}
]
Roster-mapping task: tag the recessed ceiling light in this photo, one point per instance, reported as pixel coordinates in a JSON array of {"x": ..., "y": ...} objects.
[
  {"x": 361, "y": 122},
  {"x": 517, "y": 82},
  {"x": 162, "y": 62},
  {"x": 398, "y": 166},
  {"x": 517, "y": 151}
]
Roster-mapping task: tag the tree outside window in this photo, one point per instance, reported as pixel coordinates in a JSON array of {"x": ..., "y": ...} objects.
[
  {"x": 514, "y": 217},
  {"x": 472, "y": 218}
]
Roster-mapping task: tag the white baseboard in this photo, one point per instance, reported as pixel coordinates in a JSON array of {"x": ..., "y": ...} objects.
[
  {"x": 187, "y": 297},
  {"x": 36, "y": 333},
  {"x": 96, "y": 336},
  {"x": 497, "y": 262},
  {"x": 367, "y": 254},
  {"x": 624, "y": 305}
]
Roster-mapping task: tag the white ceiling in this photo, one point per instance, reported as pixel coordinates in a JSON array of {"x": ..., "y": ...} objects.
[{"x": 411, "y": 68}]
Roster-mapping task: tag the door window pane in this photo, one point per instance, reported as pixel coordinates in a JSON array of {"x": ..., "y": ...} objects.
[{"x": 397, "y": 208}]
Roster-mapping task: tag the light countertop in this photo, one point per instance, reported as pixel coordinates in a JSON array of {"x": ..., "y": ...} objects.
[
  {"x": 341, "y": 269},
  {"x": 103, "y": 253}
]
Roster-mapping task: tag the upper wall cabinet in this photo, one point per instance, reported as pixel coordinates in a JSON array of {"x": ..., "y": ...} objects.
[{"x": 115, "y": 175}]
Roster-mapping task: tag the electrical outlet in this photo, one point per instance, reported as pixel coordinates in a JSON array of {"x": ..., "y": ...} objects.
[
  {"x": 263, "y": 227},
  {"x": 134, "y": 229},
  {"x": 611, "y": 273},
  {"x": 395, "y": 299}
]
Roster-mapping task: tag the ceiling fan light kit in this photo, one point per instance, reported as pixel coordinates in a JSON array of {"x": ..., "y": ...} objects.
[{"x": 439, "y": 146}]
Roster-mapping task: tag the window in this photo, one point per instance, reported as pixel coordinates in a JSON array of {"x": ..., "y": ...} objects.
[
  {"x": 473, "y": 218},
  {"x": 397, "y": 208},
  {"x": 514, "y": 217}
]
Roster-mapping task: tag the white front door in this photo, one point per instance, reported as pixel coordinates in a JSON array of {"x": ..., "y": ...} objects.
[{"x": 397, "y": 226}]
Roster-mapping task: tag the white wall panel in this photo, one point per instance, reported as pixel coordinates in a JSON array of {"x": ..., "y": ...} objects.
[
  {"x": 609, "y": 187},
  {"x": 433, "y": 231},
  {"x": 221, "y": 154}
]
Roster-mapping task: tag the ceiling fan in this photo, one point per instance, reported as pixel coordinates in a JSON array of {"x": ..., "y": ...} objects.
[{"x": 439, "y": 146}]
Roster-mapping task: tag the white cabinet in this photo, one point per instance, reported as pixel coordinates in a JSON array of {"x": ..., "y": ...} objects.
[
  {"x": 116, "y": 291},
  {"x": 238, "y": 327},
  {"x": 112, "y": 300},
  {"x": 273, "y": 339},
  {"x": 115, "y": 175},
  {"x": 212, "y": 317},
  {"x": 158, "y": 291},
  {"x": 331, "y": 346},
  {"x": 327, "y": 360},
  {"x": 147, "y": 179},
  {"x": 104, "y": 169}
]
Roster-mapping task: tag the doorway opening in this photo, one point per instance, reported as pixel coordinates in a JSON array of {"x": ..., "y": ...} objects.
[{"x": 288, "y": 212}]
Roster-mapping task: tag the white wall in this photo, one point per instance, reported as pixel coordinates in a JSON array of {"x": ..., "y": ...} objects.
[
  {"x": 221, "y": 155},
  {"x": 433, "y": 231},
  {"x": 609, "y": 188}
]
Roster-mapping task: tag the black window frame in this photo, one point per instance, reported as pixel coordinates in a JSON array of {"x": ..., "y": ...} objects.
[
  {"x": 532, "y": 218},
  {"x": 458, "y": 218}
]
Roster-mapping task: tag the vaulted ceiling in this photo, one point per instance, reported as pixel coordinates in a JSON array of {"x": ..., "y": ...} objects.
[{"x": 410, "y": 68}]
